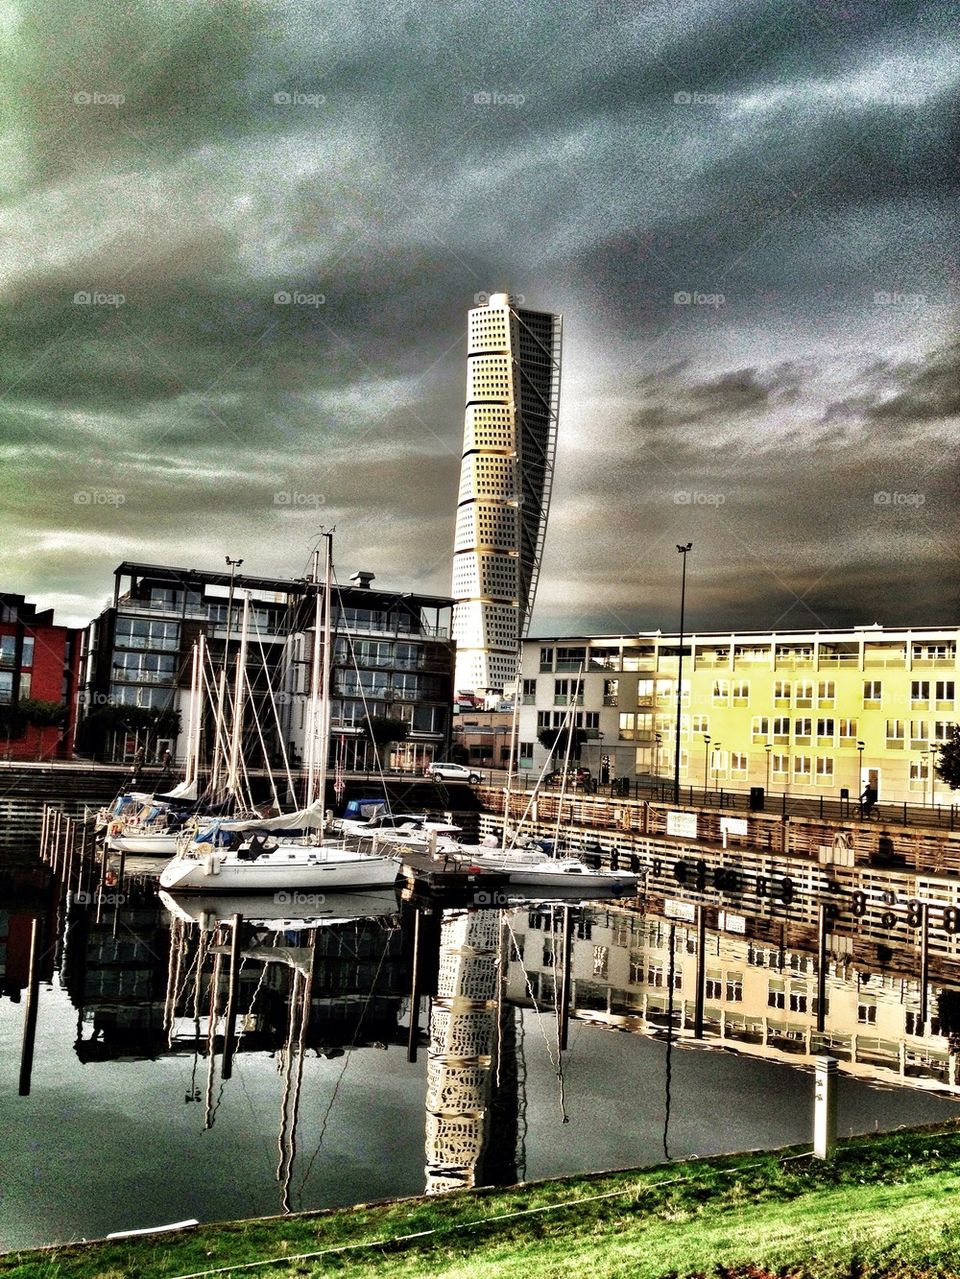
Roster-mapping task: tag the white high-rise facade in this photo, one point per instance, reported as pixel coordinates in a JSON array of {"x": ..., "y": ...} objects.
[{"x": 509, "y": 444}]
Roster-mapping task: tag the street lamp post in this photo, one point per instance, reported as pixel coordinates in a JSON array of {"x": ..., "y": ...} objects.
[
  {"x": 768, "y": 748},
  {"x": 716, "y": 766},
  {"x": 706, "y": 763},
  {"x": 684, "y": 550}
]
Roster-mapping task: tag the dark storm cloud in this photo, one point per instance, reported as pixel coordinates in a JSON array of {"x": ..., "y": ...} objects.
[{"x": 744, "y": 210}]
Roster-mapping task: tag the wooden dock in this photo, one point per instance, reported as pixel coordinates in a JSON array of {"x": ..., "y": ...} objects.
[{"x": 438, "y": 876}]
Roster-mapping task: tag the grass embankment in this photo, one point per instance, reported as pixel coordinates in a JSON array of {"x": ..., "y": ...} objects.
[{"x": 882, "y": 1206}]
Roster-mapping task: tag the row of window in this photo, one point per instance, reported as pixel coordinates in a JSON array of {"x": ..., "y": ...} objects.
[
  {"x": 634, "y": 659},
  {"x": 8, "y": 651}
]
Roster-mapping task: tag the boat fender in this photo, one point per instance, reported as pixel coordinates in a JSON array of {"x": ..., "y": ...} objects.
[
  {"x": 115, "y": 828},
  {"x": 211, "y": 864},
  {"x": 888, "y": 919},
  {"x": 951, "y": 919},
  {"x": 110, "y": 878},
  {"x": 859, "y": 903},
  {"x": 680, "y": 872}
]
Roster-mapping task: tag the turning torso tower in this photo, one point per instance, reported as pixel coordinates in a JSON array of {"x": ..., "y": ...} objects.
[{"x": 509, "y": 443}]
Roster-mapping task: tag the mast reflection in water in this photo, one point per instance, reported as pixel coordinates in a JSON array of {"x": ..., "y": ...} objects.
[{"x": 222, "y": 1058}]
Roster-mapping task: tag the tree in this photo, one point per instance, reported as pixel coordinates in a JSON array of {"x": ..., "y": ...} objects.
[
  {"x": 555, "y": 739},
  {"x": 148, "y": 721},
  {"x": 947, "y": 765}
]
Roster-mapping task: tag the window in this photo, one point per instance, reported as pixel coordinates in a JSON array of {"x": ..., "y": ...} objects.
[
  {"x": 713, "y": 987},
  {"x": 780, "y": 766},
  {"x": 741, "y": 692},
  {"x": 804, "y": 692},
  {"x": 543, "y": 720},
  {"x": 760, "y": 728},
  {"x": 6, "y": 688},
  {"x": 735, "y": 988},
  {"x": 26, "y": 657},
  {"x": 8, "y": 649},
  {"x": 529, "y": 692},
  {"x": 628, "y": 724},
  {"x": 611, "y": 692},
  {"x": 871, "y": 692},
  {"x": 781, "y": 692},
  {"x": 546, "y": 659},
  {"x": 781, "y": 730},
  {"x": 866, "y": 1012},
  {"x": 919, "y": 734},
  {"x": 920, "y": 690},
  {"x": 826, "y": 693},
  {"x": 571, "y": 659},
  {"x": 919, "y": 771},
  {"x": 644, "y": 690},
  {"x": 944, "y": 691},
  {"x": 721, "y": 691},
  {"x": 26, "y": 680},
  {"x": 802, "y": 769},
  {"x": 894, "y": 733},
  {"x": 566, "y": 691},
  {"x": 847, "y": 729},
  {"x": 798, "y": 1001},
  {"x": 700, "y": 724},
  {"x": 825, "y": 730},
  {"x": 803, "y": 731},
  {"x": 144, "y": 668},
  {"x": 776, "y": 995},
  {"x": 591, "y": 719},
  {"x": 738, "y": 764},
  {"x": 942, "y": 730},
  {"x": 824, "y": 770},
  {"x": 526, "y": 751}
]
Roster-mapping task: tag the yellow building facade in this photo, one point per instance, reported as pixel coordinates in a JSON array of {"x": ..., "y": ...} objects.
[{"x": 801, "y": 713}]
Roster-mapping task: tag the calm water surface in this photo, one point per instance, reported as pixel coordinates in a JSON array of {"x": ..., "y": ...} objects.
[{"x": 130, "y": 1123}]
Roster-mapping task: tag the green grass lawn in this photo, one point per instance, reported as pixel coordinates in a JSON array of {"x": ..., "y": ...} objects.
[{"x": 885, "y": 1205}]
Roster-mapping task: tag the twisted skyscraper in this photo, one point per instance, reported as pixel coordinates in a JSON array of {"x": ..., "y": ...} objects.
[{"x": 509, "y": 444}]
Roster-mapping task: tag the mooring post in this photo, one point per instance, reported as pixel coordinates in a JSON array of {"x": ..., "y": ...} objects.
[
  {"x": 821, "y": 967},
  {"x": 414, "y": 1029},
  {"x": 118, "y": 895},
  {"x": 30, "y": 1010},
  {"x": 924, "y": 962},
  {"x": 229, "y": 1034},
  {"x": 825, "y": 1107},
  {"x": 701, "y": 990}
]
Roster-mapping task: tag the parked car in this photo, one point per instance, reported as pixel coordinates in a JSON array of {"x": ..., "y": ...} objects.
[
  {"x": 451, "y": 772},
  {"x": 575, "y": 777}
]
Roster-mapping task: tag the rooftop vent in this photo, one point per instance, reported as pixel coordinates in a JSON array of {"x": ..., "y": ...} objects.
[{"x": 362, "y": 580}]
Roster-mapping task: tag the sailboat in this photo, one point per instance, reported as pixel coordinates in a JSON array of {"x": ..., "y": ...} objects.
[{"x": 265, "y": 854}]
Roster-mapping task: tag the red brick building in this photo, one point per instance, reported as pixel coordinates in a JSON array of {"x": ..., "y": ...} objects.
[{"x": 39, "y": 672}]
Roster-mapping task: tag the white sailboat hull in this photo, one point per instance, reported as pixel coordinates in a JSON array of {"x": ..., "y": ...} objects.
[
  {"x": 285, "y": 870},
  {"x": 143, "y": 845},
  {"x": 556, "y": 873}
]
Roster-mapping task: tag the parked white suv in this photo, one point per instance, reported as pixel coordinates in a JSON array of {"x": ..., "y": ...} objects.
[{"x": 451, "y": 772}]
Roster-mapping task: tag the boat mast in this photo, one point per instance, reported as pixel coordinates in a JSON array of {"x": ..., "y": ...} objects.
[
  {"x": 236, "y": 734},
  {"x": 190, "y": 764},
  {"x": 311, "y": 753},
  {"x": 324, "y": 753}
]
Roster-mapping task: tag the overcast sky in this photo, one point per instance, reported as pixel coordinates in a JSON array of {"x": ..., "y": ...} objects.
[{"x": 789, "y": 167}]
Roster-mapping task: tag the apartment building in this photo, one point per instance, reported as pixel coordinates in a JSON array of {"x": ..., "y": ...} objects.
[{"x": 802, "y": 713}]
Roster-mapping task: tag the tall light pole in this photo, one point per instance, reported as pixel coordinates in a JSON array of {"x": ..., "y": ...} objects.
[
  {"x": 768, "y": 748},
  {"x": 860, "y": 746},
  {"x": 684, "y": 550},
  {"x": 716, "y": 765},
  {"x": 706, "y": 763}
]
